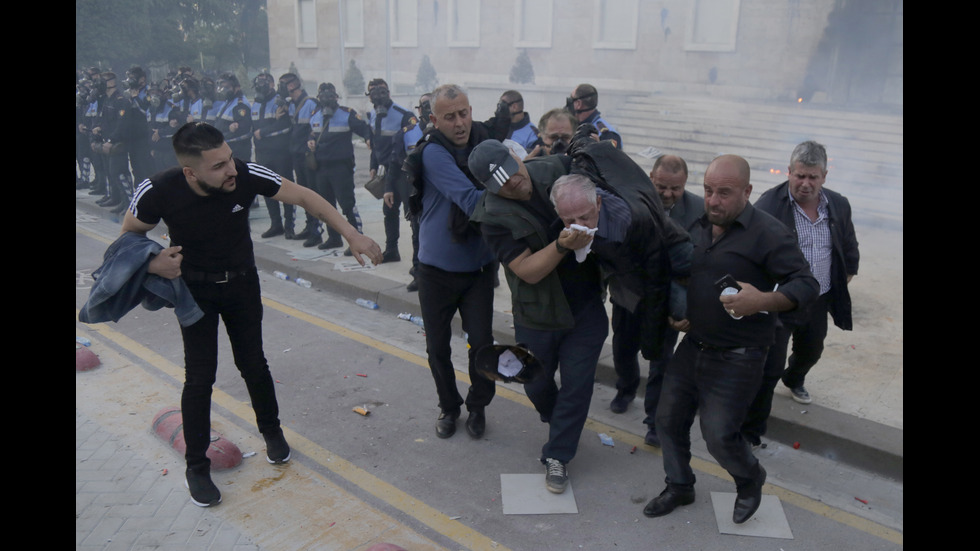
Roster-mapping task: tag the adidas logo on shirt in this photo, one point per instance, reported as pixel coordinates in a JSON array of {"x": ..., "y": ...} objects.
[{"x": 237, "y": 208}]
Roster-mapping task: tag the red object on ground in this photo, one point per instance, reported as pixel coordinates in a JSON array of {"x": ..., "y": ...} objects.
[
  {"x": 85, "y": 359},
  {"x": 796, "y": 445},
  {"x": 169, "y": 426}
]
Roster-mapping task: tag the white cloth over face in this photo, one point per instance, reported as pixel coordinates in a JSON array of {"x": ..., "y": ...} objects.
[
  {"x": 508, "y": 364},
  {"x": 580, "y": 254}
]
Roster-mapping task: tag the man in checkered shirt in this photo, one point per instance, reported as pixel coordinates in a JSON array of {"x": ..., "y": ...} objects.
[{"x": 821, "y": 220}]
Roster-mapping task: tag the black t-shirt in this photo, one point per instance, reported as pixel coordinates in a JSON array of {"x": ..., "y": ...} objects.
[
  {"x": 580, "y": 282},
  {"x": 212, "y": 230}
]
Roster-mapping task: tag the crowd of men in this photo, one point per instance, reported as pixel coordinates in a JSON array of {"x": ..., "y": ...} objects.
[{"x": 566, "y": 213}]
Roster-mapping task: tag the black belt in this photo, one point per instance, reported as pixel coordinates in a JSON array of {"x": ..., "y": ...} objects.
[
  {"x": 739, "y": 350},
  {"x": 194, "y": 276}
]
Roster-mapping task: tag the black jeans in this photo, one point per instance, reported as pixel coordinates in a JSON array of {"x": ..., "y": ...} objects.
[
  {"x": 239, "y": 304},
  {"x": 626, "y": 346},
  {"x": 808, "y": 334},
  {"x": 718, "y": 386},
  {"x": 441, "y": 295}
]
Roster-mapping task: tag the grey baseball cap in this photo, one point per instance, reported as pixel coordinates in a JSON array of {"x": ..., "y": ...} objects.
[{"x": 492, "y": 164}]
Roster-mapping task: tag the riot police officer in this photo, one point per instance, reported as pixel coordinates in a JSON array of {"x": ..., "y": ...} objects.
[
  {"x": 271, "y": 134},
  {"x": 332, "y": 128},
  {"x": 387, "y": 121},
  {"x": 301, "y": 108},
  {"x": 234, "y": 118}
]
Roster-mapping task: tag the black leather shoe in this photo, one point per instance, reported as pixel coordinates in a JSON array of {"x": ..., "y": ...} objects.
[
  {"x": 313, "y": 240},
  {"x": 305, "y": 234},
  {"x": 651, "y": 439},
  {"x": 476, "y": 423},
  {"x": 333, "y": 242},
  {"x": 667, "y": 501},
  {"x": 446, "y": 425},
  {"x": 621, "y": 402},
  {"x": 749, "y": 499},
  {"x": 391, "y": 255},
  {"x": 412, "y": 286},
  {"x": 273, "y": 231},
  {"x": 289, "y": 232}
]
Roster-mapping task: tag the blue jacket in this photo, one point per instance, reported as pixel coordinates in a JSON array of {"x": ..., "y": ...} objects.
[{"x": 122, "y": 282}]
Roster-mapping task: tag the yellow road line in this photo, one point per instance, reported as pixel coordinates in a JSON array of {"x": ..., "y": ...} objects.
[
  {"x": 697, "y": 464},
  {"x": 404, "y": 502}
]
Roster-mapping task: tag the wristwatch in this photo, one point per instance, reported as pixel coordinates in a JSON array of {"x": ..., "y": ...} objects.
[{"x": 561, "y": 250}]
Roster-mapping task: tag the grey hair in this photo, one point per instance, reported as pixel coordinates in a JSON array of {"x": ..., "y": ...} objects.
[
  {"x": 809, "y": 153},
  {"x": 448, "y": 90},
  {"x": 570, "y": 184}
]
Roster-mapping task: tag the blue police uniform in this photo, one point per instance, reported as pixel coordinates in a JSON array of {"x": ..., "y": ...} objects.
[
  {"x": 237, "y": 110},
  {"x": 334, "y": 176},
  {"x": 388, "y": 150},
  {"x": 606, "y": 130},
  {"x": 272, "y": 151}
]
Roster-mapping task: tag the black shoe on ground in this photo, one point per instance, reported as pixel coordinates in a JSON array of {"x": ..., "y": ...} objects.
[
  {"x": 332, "y": 242},
  {"x": 412, "y": 286},
  {"x": 313, "y": 240},
  {"x": 289, "y": 232},
  {"x": 391, "y": 255},
  {"x": 446, "y": 424},
  {"x": 273, "y": 231},
  {"x": 97, "y": 191},
  {"x": 556, "y": 476},
  {"x": 651, "y": 439},
  {"x": 621, "y": 402},
  {"x": 276, "y": 448},
  {"x": 476, "y": 423},
  {"x": 203, "y": 492},
  {"x": 748, "y": 499},
  {"x": 303, "y": 235},
  {"x": 668, "y": 500}
]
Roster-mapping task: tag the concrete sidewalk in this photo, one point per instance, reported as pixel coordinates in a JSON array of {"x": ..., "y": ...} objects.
[{"x": 867, "y": 435}]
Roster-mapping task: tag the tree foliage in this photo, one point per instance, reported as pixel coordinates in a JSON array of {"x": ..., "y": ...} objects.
[{"x": 213, "y": 35}]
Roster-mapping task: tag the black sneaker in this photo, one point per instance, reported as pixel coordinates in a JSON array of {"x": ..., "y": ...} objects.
[
  {"x": 276, "y": 448},
  {"x": 621, "y": 402},
  {"x": 801, "y": 395},
  {"x": 391, "y": 255},
  {"x": 556, "y": 477},
  {"x": 203, "y": 492}
]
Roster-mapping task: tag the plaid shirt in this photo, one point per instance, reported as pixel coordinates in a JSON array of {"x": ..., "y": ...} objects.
[{"x": 815, "y": 240}]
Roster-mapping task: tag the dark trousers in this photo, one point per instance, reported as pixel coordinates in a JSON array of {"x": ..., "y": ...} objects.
[
  {"x": 281, "y": 163},
  {"x": 626, "y": 346},
  {"x": 808, "y": 333},
  {"x": 238, "y": 304},
  {"x": 306, "y": 178},
  {"x": 441, "y": 295},
  {"x": 574, "y": 353},
  {"x": 718, "y": 385},
  {"x": 335, "y": 183},
  {"x": 401, "y": 191}
]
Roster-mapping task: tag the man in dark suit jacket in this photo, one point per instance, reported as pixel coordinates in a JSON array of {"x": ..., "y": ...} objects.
[
  {"x": 821, "y": 220},
  {"x": 669, "y": 178}
]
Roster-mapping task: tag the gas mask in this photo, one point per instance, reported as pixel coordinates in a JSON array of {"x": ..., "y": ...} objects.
[
  {"x": 263, "y": 87},
  {"x": 156, "y": 100},
  {"x": 380, "y": 97},
  {"x": 328, "y": 103}
]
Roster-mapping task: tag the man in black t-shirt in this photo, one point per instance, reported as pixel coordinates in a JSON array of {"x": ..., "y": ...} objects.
[{"x": 205, "y": 203}]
